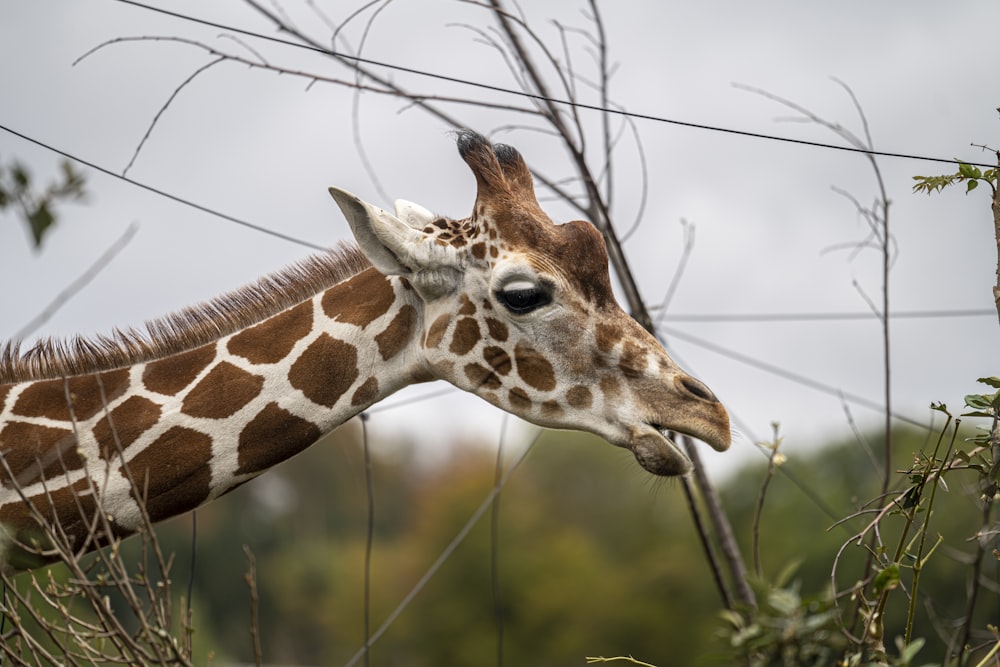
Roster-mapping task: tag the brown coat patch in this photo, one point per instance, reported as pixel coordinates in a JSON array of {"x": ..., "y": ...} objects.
[
  {"x": 579, "y": 397},
  {"x": 35, "y": 452},
  {"x": 273, "y": 436},
  {"x": 87, "y": 395},
  {"x": 551, "y": 410},
  {"x": 611, "y": 387},
  {"x": 169, "y": 376},
  {"x": 366, "y": 393},
  {"x": 519, "y": 400},
  {"x": 607, "y": 335},
  {"x": 4, "y": 390},
  {"x": 498, "y": 359},
  {"x": 359, "y": 300},
  {"x": 270, "y": 341},
  {"x": 438, "y": 328},
  {"x": 398, "y": 333},
  {"x": 127, "y": 422},
  {"x": 222, "y": 392},
  {"x": 497, "y": 329},
  {"x": 173, "y": 474},
  {"x": 325, "y": 370},
  {"x": 633, "y": 361},
  {"x": 534, "y": 368},
  {"x": 73, "y": 507},
  {"x": 467, "y": 307},
  {"x": 465, "y": 337},
  {"x": 482, "y": 377}
]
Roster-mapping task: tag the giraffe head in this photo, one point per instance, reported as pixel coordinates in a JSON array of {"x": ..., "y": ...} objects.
[{"x": 520, "y": 311}]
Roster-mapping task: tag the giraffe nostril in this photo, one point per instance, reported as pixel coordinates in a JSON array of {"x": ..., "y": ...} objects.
[{"x": 696, "y": 388}]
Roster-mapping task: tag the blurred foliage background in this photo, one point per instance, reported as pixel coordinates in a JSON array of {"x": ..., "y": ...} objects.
[{"x": 594, "y": 556}]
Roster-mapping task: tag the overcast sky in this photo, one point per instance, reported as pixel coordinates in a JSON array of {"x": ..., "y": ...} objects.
[{"x": 264, "y": 148}]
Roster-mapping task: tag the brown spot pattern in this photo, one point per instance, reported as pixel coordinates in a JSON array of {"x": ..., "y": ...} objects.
[
  {"x": 397, "y": 334},
  {"x": 359, "y": 300},
  {"x": 479, "y": 250},
  {"x": 72, "y": 507},
  {"x": 273, "y": 436},
  {"x": 88, "y": 394},
  {"x": 127, "y": 422},
  {"x": 465, "y": 336},
  {"x": 326, "y": 370},
  {"x": 436, "y": 333},
  {"x": 482, "y": 377},
  {"x": 169, "y": 376},
  {"x": 633, "y": 360},
  {"x": 173, "y": 473},
  {"x": 222, "y": 392},
  {"x": 551, "y": 410},
  {"x": 273, "y": 339},
  {"x": 579, "y": 396},
  {"x": 4, "y": 390},
  {"x": 366, "y": 393},
  {"x": 498, "y": 359},
  {"x": 607, "y": 336},
  {"x": 611, "y": 387},
  {"x": 534, "y": 369},
  {"x": 36, "y": 452},
  {"x": 519, "y": 400},
  {"x": 467, "y": 307},
  {"x": 497, "y": 329}
]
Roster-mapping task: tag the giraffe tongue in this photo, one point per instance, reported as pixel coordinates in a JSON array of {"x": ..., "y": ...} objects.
[{"x": 659, "y": 455}]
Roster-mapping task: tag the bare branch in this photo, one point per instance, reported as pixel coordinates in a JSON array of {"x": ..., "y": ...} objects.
[{"x": 77, "y": 284}]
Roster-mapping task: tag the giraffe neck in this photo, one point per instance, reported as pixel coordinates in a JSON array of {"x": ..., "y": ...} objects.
[{"x": 192, "y": 426}]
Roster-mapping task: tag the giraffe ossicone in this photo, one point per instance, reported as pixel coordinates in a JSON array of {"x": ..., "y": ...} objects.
[{"x": 504, "y": 304}]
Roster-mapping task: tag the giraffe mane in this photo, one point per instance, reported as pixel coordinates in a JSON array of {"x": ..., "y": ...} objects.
[{"x": 184, "y": 329}]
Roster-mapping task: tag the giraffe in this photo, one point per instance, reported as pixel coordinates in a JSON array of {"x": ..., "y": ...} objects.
[{"x": 504, "y": 304}]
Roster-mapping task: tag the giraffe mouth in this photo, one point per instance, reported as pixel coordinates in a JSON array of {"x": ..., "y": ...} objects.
[{"x": 657, "y": 453}]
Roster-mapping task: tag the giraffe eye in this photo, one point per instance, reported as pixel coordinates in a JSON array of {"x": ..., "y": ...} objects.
[{"x": 523, "y": 297}]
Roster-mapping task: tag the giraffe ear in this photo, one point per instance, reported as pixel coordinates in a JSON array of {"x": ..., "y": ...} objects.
[
  {"x": 377, "y": 231},
  {"x": 393, "y": 246},
  {"x": 414, "y": 215}
]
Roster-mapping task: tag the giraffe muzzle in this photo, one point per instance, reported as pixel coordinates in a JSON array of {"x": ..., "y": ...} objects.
[{"x": 658, "y": 454}]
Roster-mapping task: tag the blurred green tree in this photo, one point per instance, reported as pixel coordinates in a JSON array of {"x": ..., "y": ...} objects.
[{"x": 37, "y": 208}]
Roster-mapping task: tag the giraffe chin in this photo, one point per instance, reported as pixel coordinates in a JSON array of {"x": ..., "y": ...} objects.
[{"x": 658, "y": 454}]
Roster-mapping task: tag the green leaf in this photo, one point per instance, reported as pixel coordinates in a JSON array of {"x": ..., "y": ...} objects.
[
  {"x": 40, "y": 220},
  {"x": 967, "y": 170},
  {"x": 887, "y": 579},
  {"x": 970, "y": 186},
  {"x": 978, "y": 402},
  {"x": 940, "y": 407},
  {"x": 908, "y": 653},
  {"x": 992, "y": 381}
]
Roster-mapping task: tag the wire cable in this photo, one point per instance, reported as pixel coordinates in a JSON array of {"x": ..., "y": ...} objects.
[
  {"x": 824, "y": 317},
  {"x": 163, "y": 193},
  {"x": 544, "y": 98}
]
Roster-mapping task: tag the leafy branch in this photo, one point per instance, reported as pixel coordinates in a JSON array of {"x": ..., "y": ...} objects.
[
  {"x": 972, "y": 176},
  {"x": 37, "y": 209},
  {"x": 967, "y": 173}
]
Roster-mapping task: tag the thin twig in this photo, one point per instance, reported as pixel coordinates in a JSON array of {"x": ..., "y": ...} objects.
[
  {"x": 772, "y": 464},
  {"x": 77, "y": 284},
  {"x": 369, "y": 535},
  {"x": 251, "y": 580},
  {"x": 724, "y": 530}
]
